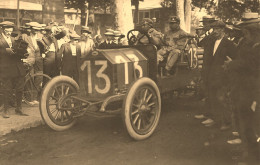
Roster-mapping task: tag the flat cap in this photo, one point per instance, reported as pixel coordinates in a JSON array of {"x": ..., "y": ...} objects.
[
  {"x": 218, "y": 23},
  {"x": 86, "y": 29},
  {"x": 7, "y": 24},
  {"x": 147, "y": 21},
  {"x": 173, "y": 19}
]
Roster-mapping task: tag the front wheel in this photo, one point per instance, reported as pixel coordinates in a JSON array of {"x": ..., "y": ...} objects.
[
  {"x": 56, "y": 105},
  {"x": 142, "y": 108}
]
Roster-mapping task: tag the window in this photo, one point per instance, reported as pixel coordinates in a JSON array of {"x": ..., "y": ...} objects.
[
  {"x": 143, "y": 14},
  {"x": 157, "y": 16}
]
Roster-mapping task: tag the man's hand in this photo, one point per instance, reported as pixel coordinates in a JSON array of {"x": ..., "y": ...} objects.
[{"x": 226, "y": 62}]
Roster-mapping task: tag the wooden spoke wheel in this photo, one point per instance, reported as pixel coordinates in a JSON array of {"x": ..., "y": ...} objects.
[
  {"x": 142, "y": 108},
  {"x": 56, "y": 106}
]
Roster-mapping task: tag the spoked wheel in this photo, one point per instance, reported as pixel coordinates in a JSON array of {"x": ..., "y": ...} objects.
[
  {"x": 142, "y": 108},
  {"x": 56, "y": 106},
  {"x": 134, "y": 36},
  {"x": 31, "y": 90}
]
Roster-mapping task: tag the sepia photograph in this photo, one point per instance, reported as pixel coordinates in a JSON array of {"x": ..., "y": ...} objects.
[{"x": 129, "y": 82}]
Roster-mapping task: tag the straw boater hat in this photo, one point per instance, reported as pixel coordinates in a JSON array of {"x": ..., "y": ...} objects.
[
  {"x": 7, "y": 24},
  {"x": 109, "y": 32}
]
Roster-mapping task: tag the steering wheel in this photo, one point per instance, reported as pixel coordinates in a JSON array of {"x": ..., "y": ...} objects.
[{"x": 134, "y": 38}]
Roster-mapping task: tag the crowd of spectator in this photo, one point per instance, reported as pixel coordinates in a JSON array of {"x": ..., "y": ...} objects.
[{"x": 230, "y": 71}]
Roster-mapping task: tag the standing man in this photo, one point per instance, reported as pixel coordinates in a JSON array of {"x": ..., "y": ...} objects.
[
  {"x": 69, "y": 56},
  {"x": 245, "y": 75},
  {"x": 86, "y": 42},
  {"x": 217, "y": 49},
  {"x": 11, "y": 70},
  {"x": 108, "y": 43},
  {"x": 34, "y": 50}
]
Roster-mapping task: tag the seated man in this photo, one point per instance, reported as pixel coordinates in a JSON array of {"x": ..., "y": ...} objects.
[
  {"x": 153, "y": 36},
  {"x": 175, "y": 42}
]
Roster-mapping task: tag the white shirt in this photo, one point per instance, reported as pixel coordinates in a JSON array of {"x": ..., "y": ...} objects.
[
  {"x": 73, "y": 49},
  {"x": 8, "y": 40},
  {"x": 216, "y": 45},
  {"x": 34, "y": 42},
  {"x": 109, "y": 42}
]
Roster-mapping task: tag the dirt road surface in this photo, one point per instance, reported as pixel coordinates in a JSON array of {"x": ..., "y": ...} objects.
[{"x": 178, "y": 140}]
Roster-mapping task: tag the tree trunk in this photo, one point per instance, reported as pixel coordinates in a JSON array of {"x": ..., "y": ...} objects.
[
  {"x": 187, "y": 15},
  {"x": 122, "y": 12},
  {"x": 180, "y": 12}
]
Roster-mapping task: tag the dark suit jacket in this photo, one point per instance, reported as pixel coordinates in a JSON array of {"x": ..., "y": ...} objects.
[
  {"x": 64, "y": 57},
  {"x": 105, "y": 45},
  {"x": 10, "y": 64},
  {"x": 213, "y": 72}
]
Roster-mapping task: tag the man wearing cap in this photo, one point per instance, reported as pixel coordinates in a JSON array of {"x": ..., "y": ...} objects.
[
  {"x": 217, "y": 49},
  {"x": 86, "y": 41},
  {"x": 245, "y": 75},
  {"x": 152, "y": 36},
  {"x": 69, "y": 57},
  {"x": 51, "y": 48},
  {"x": 108, "y": 43},
  {"x": 11, "y": 69},
  {"x": 34, "y": 52},
  {"x": 175, "y": 40}
]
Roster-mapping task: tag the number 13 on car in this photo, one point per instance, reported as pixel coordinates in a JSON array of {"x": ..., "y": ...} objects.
[{"x": 113, "y": 71}]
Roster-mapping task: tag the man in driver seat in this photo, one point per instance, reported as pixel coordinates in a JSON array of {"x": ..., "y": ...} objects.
[
  {"x": 175, "y": 41},
  {"x": 148, "y": 34}
]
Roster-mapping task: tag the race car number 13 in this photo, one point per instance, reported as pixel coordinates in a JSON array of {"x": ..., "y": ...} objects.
[{"x": 99, "y": 74}]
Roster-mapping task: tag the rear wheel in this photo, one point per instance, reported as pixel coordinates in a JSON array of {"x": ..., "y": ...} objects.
[
  {"x": 56, "y": 105},
  {"x": 142, "y": 108}
]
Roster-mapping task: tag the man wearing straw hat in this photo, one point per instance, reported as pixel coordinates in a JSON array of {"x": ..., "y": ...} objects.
[{"x": 108, "y": 43}]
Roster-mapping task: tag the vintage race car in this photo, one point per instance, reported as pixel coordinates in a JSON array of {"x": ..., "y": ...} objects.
[{"x": 128, "y": 76}]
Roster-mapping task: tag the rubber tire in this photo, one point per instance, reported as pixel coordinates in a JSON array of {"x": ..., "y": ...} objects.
[
  {"x": 126, "y": 107},
  {"x": 44, "y": 97}
]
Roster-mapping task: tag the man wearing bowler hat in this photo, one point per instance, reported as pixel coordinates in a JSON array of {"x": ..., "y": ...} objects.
[
  {"x": 11, "y": 69},
  {"x": 245, "y": 75}
]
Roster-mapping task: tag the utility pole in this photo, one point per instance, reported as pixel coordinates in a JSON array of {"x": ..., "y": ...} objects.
[{"x": 18, "y": 14}]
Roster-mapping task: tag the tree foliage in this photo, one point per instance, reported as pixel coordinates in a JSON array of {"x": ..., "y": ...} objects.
[
  {"x": 227, "y": 10},
  {"x": 82, "y": 5}
]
